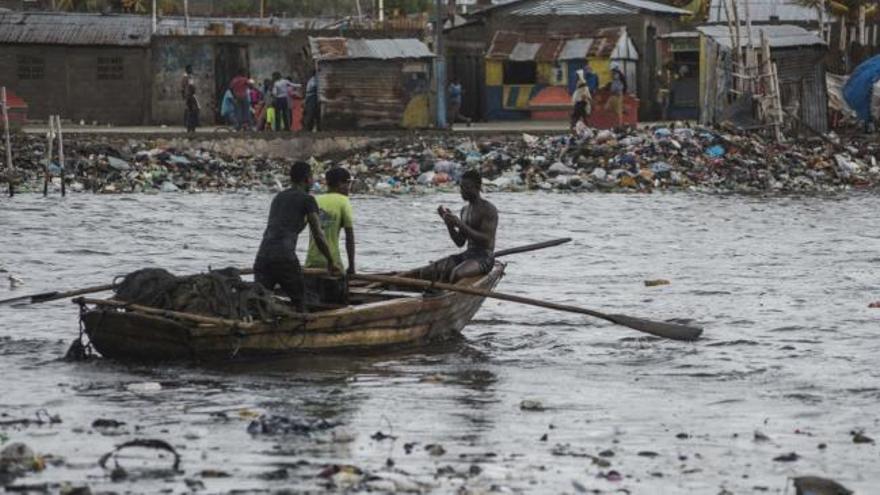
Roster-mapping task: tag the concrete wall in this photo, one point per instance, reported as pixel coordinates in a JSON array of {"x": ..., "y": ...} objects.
[
  {"x": 297, "y": 147},
  {"x": 265, "y": 55},
  {"x": 70, "y": 86}
]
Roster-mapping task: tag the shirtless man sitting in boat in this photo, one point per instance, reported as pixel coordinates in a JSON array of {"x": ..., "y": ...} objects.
[{"x": 476, "y": 227}]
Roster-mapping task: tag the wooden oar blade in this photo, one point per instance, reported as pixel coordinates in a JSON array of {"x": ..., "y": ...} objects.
[
  {"x": 532, "y": 247},
  {"x": 664, "y": 329}
]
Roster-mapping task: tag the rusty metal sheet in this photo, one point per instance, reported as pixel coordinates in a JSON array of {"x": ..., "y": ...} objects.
[{"x": 324, "y": 49}]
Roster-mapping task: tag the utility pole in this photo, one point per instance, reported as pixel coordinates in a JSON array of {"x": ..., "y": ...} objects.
[
  {"x": 439, "y": 65},
  {"x": 186, "y": 16},
  {"x": 154, "y": 17}
]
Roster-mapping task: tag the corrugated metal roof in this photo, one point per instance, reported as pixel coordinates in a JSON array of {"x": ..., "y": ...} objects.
[
  {"x": 523, "y": 52},
  {"x": 576, "y": 49},
  {"x": 572, "y": 8},
  {"x": 656, "y": 7},
  {"x": 76, "y": 29},
  {"x": 53, "y": 28},
  {"x": 549, "y": 51},
  {"x": 779, "y": 36},
  {"x": 502, "y": 44},
  {"x": 679, "y": 35},
  {"x": 355, "y": 48},
  {"x": 508, "y": 45},
  {"x": 585, "y": 8},
  {"x": 764, "y": 10}
]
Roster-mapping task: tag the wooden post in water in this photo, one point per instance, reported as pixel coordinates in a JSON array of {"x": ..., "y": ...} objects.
[
  {"x": 50, "y": 138},
  {"x": 61, "y": 154},
  {"x": 8, "y": 141}
]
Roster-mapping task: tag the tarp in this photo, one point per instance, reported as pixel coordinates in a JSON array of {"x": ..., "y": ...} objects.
[{"x": 858, "y": 88}]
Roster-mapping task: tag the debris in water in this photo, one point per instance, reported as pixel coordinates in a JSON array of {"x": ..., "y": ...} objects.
[
  {"x": 814, "y": 485},
  {"x": 648, "y": 453},
  {"x": 379, "y": 436},
  {"x": 859, "y": 436},
  {"x": 147, "y": 443},
  {"x": 760, "y": 437},
  {"x": 435, "y": 449},
  {"x": 107, "y": 423},
  {"x": 531, "y": 405},
  {"x": 280, "y": 425},
  {"x": 144, "y": 387},
  {"x": 875, "y": 304},
  {"x": 790, "y": 457},
  {"x": 657, "y": 282},
  {"x": 14, "y": 281}
]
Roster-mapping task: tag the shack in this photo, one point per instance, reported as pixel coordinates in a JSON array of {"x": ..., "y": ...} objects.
[
  {"x": 679, "y": 75},
  {"x": 373, "y": 83},
  {"x": 533, "y": 77},
  {"x": 82, "y": 66},
  {"x": 537, "y": 20},
  {"x": 114, "y": 69},
  {"x": 798, "y": 55}
]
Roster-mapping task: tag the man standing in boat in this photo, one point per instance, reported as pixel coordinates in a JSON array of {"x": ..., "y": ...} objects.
[
  {"x": 336, "y": 214},
  {"x": 476, "y": 227},
  {"x": 276, "y": 262}
]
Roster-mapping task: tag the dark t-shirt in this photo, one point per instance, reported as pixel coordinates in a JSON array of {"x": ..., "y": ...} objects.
[{"x": 287, "y": 218}]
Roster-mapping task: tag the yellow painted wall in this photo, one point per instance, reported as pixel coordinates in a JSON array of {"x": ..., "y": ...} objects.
[
  {"x": 522, "y": 96},
  {"x": 417, "y": 113},
  {"x": 494, "y": 73},
  {"x": 545, "y": 73},
  {"x": 602, "y": 68}
]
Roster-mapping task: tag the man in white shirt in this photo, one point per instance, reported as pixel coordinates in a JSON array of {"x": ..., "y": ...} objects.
[{"x": 280, "y": 91}]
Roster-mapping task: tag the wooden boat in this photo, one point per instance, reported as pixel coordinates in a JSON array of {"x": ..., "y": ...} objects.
[{"x": 376, "y": 318}]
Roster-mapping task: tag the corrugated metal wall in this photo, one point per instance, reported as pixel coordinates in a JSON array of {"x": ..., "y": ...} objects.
[
  {"x": 802, "y": 84},
  {"x": 357, "y": 94}
]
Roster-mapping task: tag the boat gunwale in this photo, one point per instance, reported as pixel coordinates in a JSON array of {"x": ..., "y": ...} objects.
[{"x": 347, "y": 311}]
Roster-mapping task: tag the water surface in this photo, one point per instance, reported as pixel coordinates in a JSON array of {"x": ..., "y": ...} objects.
[{"x": 782, "y": 286}]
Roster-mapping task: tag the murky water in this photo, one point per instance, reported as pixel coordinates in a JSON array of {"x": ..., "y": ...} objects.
[{"x": 781, "y": 285}]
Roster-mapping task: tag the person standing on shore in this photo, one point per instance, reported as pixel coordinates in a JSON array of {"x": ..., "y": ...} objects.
[
  {"x": 618, "y": 90},
  {"x": 336, "y": 214},
  {"x": 582, "y": 100},
  {"x": 455, "y": 98},
  {"x": 280, "y": 91},
  {"x": 312, "y": 113},
  {"x": 276, "y": 262},
  {"x": 191, "y": 103},
  {"x": 239, "y": 87},
  {"x": 591, "y": 78},
  {"x": 476, "y": 226}
]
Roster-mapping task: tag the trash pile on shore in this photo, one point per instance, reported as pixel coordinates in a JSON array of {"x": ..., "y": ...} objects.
[{"x": 634, "y": 160}]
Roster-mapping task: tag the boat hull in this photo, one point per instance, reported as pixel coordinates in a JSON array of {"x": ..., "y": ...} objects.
[{"x": 408, "y": 321}]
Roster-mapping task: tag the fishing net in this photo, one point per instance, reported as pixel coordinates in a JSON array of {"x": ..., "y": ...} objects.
[{"x": 219, "y": 293}]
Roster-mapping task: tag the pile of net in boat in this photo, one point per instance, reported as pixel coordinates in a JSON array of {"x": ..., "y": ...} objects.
[{"x": 218, "y": 293}]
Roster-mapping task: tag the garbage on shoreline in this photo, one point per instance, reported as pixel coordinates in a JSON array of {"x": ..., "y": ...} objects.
[{"x": 632, "y": 160}]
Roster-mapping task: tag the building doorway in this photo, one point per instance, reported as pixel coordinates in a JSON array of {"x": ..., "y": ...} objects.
[{"x": 229, "y": 58}]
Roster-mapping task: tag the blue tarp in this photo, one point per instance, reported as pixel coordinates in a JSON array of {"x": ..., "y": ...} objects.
[{"x": 857, "y": 90}]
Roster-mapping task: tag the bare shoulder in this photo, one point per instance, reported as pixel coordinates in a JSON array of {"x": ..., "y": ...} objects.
[{"x": 488, "y": 208}]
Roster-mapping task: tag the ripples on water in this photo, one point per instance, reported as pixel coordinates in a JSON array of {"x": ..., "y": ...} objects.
[{"x": 781, "y": 285}]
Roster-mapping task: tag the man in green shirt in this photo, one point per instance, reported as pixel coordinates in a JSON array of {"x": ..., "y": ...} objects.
[{"x": 335, "y": 213}]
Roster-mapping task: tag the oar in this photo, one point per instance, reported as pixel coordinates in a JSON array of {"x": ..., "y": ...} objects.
[
  {"x": 51, "y": 296},
  {"x": 532, "y": 247},
  {"x": 658, "y": 328}
]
